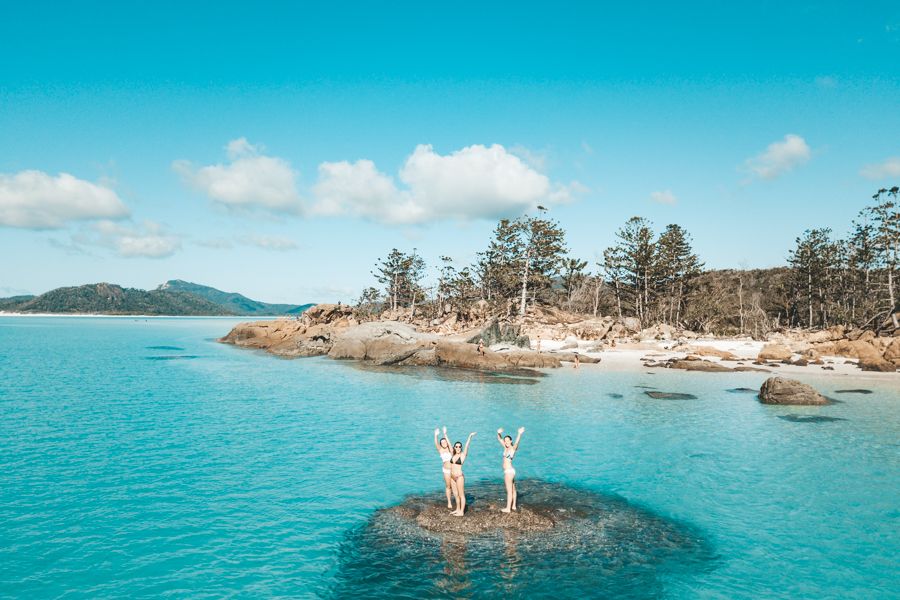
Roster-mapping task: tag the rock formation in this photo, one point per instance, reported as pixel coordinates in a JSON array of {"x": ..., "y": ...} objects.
[
  {"x": 333, "y": 330},
  {"x": 778, "y": 390},
  {"x": 557, "y": 544}
]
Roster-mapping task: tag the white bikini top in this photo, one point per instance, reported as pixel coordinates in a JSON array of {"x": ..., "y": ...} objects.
[
  {"x": 445, "y": 456},
  {"x": 509, "y": 454}
]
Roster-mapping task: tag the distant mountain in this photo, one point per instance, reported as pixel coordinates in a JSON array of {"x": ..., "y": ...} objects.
[
  {"x": 110, "y": 299},
  {"x": 6, "y": 303},
  {"x": 233, "y": 302}
]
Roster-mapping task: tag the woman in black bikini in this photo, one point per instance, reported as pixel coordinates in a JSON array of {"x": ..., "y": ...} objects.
[{"x": 457, "y": 479}]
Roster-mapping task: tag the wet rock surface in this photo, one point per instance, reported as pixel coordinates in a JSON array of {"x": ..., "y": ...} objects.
[{"x": 563, "y": 542}]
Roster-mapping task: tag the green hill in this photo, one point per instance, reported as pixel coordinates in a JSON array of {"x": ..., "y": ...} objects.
[
  {"x": 110, "y": 299},
  {"x": 233, "y": 302},
  {"x": 7, "y": 303}
]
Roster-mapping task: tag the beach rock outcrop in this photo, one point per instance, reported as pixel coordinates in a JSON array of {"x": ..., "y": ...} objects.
[
  {"x": 779, "y": 390},
  {"x": 696, "y": 364},
  {"x": 331, "y": 330},
  {"x": 382, "y": 342},
  {"x": 777, "y": 352},
  {"x": 709, "y": 351},
  {"x": 497, "y": 332}
]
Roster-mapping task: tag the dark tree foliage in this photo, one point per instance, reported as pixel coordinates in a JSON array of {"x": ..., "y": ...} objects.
[{"x": 658, "y": 278}]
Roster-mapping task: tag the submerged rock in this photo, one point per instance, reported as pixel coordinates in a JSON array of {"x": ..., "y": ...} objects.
[
  {"x": 810, "y": 418},
  {"x": 853, "y": 391},
  {"x": 670, "y": 396},
  {"x": 563, "y": 542},
  {"x": 741, "y": 390},
  {"x": 778, "y": 390}
]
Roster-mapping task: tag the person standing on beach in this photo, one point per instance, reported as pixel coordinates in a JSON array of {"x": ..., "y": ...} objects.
[
  {"x": 509, "y": 472},
  {"x": 443, "y": 448},
  {"x": 481, "y": 346},
  {"x": 576, "y": 360},
  {"x": 457, "y": 479}
]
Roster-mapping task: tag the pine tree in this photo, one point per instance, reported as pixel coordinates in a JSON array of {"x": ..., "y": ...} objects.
[
  {"x": 885, "y": 215},
  {"x": 573, "y": 276},
  {"x": 632, "y": 260},
  {"x": 676, "y": 264}
]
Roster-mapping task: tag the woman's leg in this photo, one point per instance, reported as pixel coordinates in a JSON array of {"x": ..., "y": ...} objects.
[
  {"x": 515, "y": 493},
  {"x": 448, "y": 490},
  {"x": 508, "y": 479},
  {"x": 461, "y": 496}
]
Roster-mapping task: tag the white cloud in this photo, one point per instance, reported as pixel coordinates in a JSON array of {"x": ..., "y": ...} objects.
[
  {"x": 265, "y": 242},
  {"x": 147, "y": 240},
  {"x": 269, "y": 242},
  {"x": 249, "y": 180},
  {"x": 474, "y": 182},
  {"x": 780, "y": 157},
  {"x": 36, "y": 200},
  {"x": 241, "y": 147},
  {"x": 535, "y": 159},
  {"x": 664, "y": 197},
  {"x": 890, "y": 167}
]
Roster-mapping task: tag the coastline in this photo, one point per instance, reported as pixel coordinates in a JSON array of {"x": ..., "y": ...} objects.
[
  {"x": 109, "y": 316},
  {"x": 628, "y": 357},
  {"x": 337, "y": 332}
]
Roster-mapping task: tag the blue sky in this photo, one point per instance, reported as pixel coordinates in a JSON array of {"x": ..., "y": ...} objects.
[{"x": 279, "y": 149}]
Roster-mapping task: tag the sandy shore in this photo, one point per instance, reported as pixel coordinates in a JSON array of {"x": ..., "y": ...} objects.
[{"x": 628, "y": 357}]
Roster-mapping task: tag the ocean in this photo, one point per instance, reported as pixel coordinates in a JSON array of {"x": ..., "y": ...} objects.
[{"x": 140, "y": 458}]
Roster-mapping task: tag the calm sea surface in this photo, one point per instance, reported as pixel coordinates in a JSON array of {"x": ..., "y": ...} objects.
[{"x": 139, "y": 458}]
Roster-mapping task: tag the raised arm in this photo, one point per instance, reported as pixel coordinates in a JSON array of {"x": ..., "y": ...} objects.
[
  {"x": 436, "y": 444},
  {"x": 518, "y": 437},
  {"x": 500, "y": 436},
  {"x": 465, "y": 451}
]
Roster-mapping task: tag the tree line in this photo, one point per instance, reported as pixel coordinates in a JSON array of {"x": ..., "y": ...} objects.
[{"x": 657, "y": 277}]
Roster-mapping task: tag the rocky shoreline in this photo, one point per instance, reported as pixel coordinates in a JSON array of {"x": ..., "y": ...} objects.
[{"x": 547, "y": 338}]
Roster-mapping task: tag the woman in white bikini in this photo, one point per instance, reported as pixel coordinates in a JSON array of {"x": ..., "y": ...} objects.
[
  {"x": 509, "y": 472},
  {"x": 443, "y": 448},
  {"x": 457, "y": 479}
]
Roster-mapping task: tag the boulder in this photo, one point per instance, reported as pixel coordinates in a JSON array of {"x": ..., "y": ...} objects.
[
  {"x": 779, "y": 390},
  {"x": 859, "y": 348},
  {"x": 711, "y": 351},
  {"x": 774, "y": 352},
  {"x": 878, "y": 364},
  {"x": 497, "y": 332},
  {"x": 593, "y": 329},
  {"x": 631, "y": 324},
  {"x": 826, "y": 335},
  {"x": 570, "y": 357},
  {"x": 892, "y": 352},
  {"x": 382, "y": 342},
  {"x": 696, "y": 365}
]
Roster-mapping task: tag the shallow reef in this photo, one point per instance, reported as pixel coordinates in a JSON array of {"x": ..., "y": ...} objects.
[{"x": 563, "y": 542}]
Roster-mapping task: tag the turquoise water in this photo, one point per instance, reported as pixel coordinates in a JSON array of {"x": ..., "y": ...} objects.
[{"x": 140, "y": 458}]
